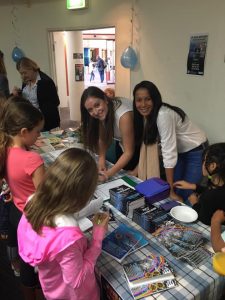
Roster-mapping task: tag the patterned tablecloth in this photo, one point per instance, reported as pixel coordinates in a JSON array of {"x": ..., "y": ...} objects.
[{"x": 194, "y": 283}]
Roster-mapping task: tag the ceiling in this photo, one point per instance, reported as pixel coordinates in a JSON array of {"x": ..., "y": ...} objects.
[{"x": 19, "y": 2}]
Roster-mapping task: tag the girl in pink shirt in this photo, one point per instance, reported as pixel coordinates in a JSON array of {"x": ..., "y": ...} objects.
[
  {"x": 49, "y": 236},
  {"x": 20, "y": 126}
]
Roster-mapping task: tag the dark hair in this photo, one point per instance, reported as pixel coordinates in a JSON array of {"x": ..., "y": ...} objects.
[
  {"x": 91, "y": 127},
  {"x": 215, "y": 154},
  {"x": 66, "y": 188},
  {"x": 149, "y": 133},
  {"x": 14, "y": 116}
]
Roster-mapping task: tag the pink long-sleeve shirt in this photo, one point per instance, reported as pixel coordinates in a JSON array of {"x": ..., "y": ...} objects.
[{"x": 64, "y": 258}]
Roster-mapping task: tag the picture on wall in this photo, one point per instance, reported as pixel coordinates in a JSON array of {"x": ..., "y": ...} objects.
[
  {"x": 79, "y": 72},
  {"x": 196, "y": 55}
]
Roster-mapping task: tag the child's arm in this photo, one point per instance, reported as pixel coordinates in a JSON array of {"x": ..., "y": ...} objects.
[
  {"x": 184, "y": 185},
  {"x": 217, "y": 219},
  {"x": 38, "y": 175}
]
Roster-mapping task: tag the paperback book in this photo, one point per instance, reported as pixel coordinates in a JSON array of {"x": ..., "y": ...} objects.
[
  {"x": 126, "y": 199},
  {"x": 150, "y": 270},
  {"x": 122, "y": 241},
  {"x": 147, "y": 290}
]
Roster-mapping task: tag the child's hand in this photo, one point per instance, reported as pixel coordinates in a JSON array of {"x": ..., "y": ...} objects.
[
  {"x": 218, "y": 217},
  {"x": 184, "y": 185},
  {"x": 101, "y": 219}
]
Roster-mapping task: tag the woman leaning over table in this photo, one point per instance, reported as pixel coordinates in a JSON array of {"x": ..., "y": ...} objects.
[
  {"x": 182, "y": 142},
  {"x": 40, "y": 90},
  {"x": 103, "y": 120}
]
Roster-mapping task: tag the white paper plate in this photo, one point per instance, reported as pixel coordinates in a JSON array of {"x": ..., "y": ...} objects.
[{"x": 184, "y": 214}]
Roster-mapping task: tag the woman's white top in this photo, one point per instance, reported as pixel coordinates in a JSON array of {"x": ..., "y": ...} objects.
[
  {"x": 126, "y": 106},
  {"x": 30, "y": 92},
  {"x": 176, "y": 136}
]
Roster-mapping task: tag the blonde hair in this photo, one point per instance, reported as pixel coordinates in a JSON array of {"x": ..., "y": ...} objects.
[
  {"x": 66, "y": 188},
  {"x": 27, "y": 63},
  {"x": 110, "y": 92}
]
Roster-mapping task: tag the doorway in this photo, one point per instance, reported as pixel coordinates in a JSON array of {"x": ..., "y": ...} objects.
[{"x": 96, "y": 42}]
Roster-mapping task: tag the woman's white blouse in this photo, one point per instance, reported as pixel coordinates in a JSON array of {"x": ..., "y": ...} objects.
[{"x": 176, "y": 136}]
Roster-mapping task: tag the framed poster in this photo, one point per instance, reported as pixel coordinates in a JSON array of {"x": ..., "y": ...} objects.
[
  {"x": 77, "y": 55},
  {"x": 79, "y": 72},
  {"x": 196, "y": 55}
]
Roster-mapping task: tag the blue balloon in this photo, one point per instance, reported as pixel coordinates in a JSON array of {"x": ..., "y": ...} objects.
[
  {"x": 128, "y": 58},
  {"x": 17, "y": 54}
]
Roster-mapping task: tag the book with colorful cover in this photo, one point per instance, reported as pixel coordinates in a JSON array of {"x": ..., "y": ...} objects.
[
  {"x": 147, "y": 290},
  {"x": 150, "y": 270},
  {"x": 122, "y": 241}
]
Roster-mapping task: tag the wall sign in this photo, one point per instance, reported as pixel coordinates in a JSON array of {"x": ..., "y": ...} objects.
[
  {"x": 76, "y": 4},
  {"x": 196, "y": 55}
]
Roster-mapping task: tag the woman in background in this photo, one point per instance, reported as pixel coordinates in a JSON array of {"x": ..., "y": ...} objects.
[
  {"x": 4, "y": 84},
  {"x": 40, "y": 90},
  {"x": 182, "y": 142}
]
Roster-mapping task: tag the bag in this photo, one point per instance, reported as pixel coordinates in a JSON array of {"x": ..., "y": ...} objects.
[
  {"x": 154, "y": 189},
  {"x": 4, "y": 212}
]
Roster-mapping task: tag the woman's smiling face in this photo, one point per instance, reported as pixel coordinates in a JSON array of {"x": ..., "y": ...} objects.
[
  {"x": 143, "y": 102},
  {"x": 97, "y": 108}
]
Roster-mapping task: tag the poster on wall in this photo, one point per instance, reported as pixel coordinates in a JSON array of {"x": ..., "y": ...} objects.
[
  {"x": 79, "y": 72},
  {"x": 77, "y": 55},
  {"x": 196, "y": 55}
]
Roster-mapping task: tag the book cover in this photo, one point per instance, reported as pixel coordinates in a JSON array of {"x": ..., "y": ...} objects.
[
  {"x": 122, "y": 241},
  {"x": 147, "y": 290},
  {"x": 150, "y": 270}
]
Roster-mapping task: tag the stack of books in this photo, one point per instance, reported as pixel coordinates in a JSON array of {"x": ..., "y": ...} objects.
[
  {"x": 150, "y": 217},
  {"x": 126, "y": 199},
  {"x": 149, "y": 276},
  {"x": 123, "y": 241}
]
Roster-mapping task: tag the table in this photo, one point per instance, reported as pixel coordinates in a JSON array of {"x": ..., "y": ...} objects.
[{"x": 200, "y": 283}]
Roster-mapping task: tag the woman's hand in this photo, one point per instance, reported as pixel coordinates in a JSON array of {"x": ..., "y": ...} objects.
[
  {"x": 184, "y": 185},
  {"x": 193, "y": 198},
  {"x": 175, "y": 197},
  {"x": 102, "y": 176},
  {"x": 101, "y": 219},
  {"x": 16, "y": 91}
]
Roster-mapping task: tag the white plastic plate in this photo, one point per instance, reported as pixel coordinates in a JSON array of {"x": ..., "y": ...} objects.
[{"x": 184, "y": 214}]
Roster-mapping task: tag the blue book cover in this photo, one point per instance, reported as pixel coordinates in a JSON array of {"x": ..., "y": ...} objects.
[{"x": 122, "y": 241}]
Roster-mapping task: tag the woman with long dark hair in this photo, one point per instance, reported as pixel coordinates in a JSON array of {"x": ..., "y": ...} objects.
[
  {"x": 182, "y": 142},
  {"x": 104, "y": 119}
]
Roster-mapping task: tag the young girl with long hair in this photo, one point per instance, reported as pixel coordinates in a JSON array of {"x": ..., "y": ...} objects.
[
  {"x": 49, "y": 235},
  {"x": 207, "y": 199},
  {"x": 20, "y": 126},
  {"x": 104, "y": 119},
  {"x": 182, "y": 142}
]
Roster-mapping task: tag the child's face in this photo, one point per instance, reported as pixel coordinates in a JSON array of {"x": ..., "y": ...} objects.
[
  {"x": 30, "y": 136},
  {"x": 211, "y": 167}
]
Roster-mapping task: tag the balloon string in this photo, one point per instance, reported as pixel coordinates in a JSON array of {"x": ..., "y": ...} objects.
[{"x": 14, "y": 23}]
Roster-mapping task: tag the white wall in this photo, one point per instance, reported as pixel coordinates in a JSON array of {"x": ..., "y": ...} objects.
[
  {"x": 163, "y": 43},
  {"x": 161, "y": 35}
]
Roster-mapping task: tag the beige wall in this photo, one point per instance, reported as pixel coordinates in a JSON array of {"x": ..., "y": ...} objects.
[{"x": 162, "y": 31}]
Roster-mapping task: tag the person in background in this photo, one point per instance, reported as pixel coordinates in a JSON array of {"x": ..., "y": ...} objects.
[
  {"x": 182, "y": 142},
  {"x": 103, "y": 120},
  {"x": 101, "y": 67},
  {"x": 207, "y": 199},
  {"x": 110, "y": 93},
  {"x": 23, "y": 170},
  {"x": 92, "y": 68},
  {"x": 4, "y": 84},
  {"x": 40, "y": 90},
  {"x": 49, "y": 235}
]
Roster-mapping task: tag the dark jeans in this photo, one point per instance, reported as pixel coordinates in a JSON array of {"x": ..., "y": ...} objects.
[
  {"x": 101, "y": 73},
  {"x": 188, "y": 168}
]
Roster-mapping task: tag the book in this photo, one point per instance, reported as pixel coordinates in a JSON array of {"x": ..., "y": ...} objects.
[
  {"x": 107, "y": 291},
  {"x": 122, "y": 241},
  {"x": 147, "y": 290},
  {"x": 154, "y": 189},
  {"x": 126, "y": 199},
  {"x": 150, "y": 270},
  {"x": 150, "y": 217}
]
